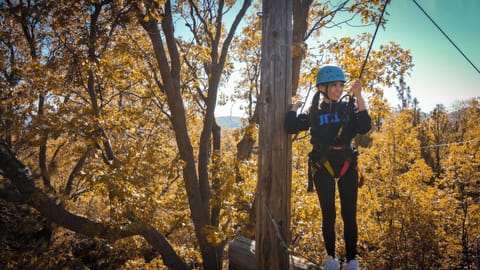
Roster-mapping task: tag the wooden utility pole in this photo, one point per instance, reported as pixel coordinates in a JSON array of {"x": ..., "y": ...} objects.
[{"x": 274, "y": 161}]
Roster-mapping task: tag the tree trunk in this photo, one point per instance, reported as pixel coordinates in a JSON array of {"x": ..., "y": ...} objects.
[
  {"x": 197, "y": 179},
  {"x": 274, "y": 162},
  {"x": 300, "y": 24},
  {"x": 170, "y": 72}
]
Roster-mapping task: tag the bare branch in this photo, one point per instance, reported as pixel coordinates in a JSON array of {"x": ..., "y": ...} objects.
[{"x": 319, "y": 23}]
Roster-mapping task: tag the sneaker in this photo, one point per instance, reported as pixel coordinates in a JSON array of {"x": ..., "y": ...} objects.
[
  {"x": 331, "y": 264},
  {"x": 351, "y": 265}
]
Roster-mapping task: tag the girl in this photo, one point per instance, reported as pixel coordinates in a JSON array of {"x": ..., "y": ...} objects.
[{"x": 333, "y": 124}]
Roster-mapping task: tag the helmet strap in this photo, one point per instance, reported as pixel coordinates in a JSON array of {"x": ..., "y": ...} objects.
[{"x": 325, "y": 94}]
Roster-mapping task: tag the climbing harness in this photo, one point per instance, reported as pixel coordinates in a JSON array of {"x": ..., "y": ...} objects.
[{"x": 317, "y": 163}]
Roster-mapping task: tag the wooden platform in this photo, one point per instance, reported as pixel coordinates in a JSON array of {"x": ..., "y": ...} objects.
[{"x": 241, "y": 255}]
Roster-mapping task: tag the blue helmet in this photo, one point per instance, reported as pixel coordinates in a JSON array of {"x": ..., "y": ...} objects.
[{"x": 330, "y": 73}]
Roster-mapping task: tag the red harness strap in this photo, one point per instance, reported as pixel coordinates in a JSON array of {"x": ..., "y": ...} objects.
[
  {"x": 346, "y": 165},
  {"x": 361, "y": 179},
  {"x": 323, "y": 162}
]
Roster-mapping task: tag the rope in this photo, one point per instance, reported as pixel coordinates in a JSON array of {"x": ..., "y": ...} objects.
[
  {"x": 283, "y": 243},
  {"x": 306, "y": 97},
  {"x": 350, "y": 106},
  {"x": 449, "y": 39},
  {"x": 373, "y": 38}
]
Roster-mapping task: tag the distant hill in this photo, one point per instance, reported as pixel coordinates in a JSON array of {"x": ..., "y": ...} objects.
[{"x": 230, "y": 122}]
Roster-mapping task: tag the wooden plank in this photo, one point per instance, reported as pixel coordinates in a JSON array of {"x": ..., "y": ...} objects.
[{"x": 241, "y": 256}]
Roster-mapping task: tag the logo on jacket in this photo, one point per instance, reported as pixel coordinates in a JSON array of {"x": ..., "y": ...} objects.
[{"x": 331, "y": 118}]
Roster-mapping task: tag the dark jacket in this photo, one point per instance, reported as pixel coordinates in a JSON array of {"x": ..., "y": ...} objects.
[{"x": 325, "y": 124}]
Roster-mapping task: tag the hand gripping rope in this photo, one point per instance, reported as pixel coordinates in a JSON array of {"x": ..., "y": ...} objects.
[{"x": 351, "y": 101}]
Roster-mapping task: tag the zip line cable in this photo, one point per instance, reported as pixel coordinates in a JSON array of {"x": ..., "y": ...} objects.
[
  {"x": 373, "y": 38},
  {"x": 449, "y": 39},
  {"x": 448, "y": 144}
]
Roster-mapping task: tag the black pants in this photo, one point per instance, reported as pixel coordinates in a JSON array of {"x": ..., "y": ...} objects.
[{"x": 348, "y": 188}]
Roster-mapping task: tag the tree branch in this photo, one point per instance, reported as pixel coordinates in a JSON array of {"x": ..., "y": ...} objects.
[
  {"x": 12, "y": 196},
  {"x": 170, "y": 72},
  {"x": 76, "y": 170},
  {"x": 21, "y": 177}
]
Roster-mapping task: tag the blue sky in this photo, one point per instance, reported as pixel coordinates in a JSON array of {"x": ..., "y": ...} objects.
[{"x": 441, "y": 74}]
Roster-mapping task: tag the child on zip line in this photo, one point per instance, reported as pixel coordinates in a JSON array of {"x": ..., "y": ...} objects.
[{"x": 333, "y": 123}]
